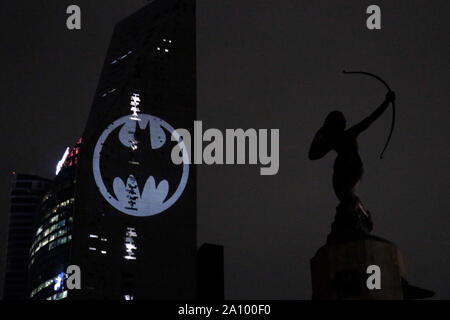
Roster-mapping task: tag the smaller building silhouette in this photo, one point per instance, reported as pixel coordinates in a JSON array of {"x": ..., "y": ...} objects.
[
  {"x": 210, "y": 272},
  {"x": 49, "y": 250}
]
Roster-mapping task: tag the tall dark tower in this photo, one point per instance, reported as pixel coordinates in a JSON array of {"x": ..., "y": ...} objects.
[
  {"x": 119, "y": 208},
  {"x": 49, "y": 254},
  {"x": 134, "y": 225},
  {"x": 26, "y": 194}
]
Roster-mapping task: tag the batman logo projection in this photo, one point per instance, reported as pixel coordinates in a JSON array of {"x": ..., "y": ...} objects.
[{"x": 133, "y": 168}]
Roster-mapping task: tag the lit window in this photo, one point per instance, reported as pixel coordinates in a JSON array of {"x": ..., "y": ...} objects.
[
  {"x": 58, "y": 282},
  {"x": 49, "y": 282},
  {"x": 58, "y": 296},
  {"x": 130, "y": 246},
  {"x": 61, "y": 162},
  {"x": 54, "y": 218}
]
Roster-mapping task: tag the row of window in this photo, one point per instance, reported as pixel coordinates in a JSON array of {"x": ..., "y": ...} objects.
[
  {"x": 50, "y": 240},
  {"x": 52, "y": 220},
  {"x": 59, "y": 242},
  {"x": 46, "y": 196},
  {"x": 95, "y": 249},
  {"x": 53, "y": 227},
  {"x": 39, "y": 243},
  {"x": 122, "y": 57},
  {"x": 53, "y": 245},
  {"x": 63, "y": 204},
  {"x": 56, "y": 217},
  {"x": 94, "y": 236},
  {"x": 43, "y": 285},
  {"x": 108, "y": 92},
  {"x": 59, "y": 206}
]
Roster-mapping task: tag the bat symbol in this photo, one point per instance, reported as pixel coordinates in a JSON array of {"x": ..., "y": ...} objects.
[{"x": 133, "y": 161}]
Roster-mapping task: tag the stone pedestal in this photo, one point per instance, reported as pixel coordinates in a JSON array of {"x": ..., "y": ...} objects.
[{"x": 339, "y": 270}]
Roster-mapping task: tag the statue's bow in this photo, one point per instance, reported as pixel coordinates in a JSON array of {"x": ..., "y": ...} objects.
[{"x": 393, "y": 106}]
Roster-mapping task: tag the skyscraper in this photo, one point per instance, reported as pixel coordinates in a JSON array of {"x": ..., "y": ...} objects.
[
  {"x": 26, "y": 194},
  {"x": 130, "y": 224}
]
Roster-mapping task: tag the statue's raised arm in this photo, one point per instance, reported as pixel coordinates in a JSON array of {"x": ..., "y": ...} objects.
[{"x": 365, "y": 123}]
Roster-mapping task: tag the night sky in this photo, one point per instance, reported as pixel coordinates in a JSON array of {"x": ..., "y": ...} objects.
[{"x": 262, "y": 64}]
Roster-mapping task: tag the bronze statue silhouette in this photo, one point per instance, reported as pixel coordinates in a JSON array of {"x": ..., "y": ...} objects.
[
  {"x": 348, "y": 166},
  {"x": 352, "y": 220}
]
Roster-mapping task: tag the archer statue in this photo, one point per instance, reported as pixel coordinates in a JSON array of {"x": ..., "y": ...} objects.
[{"x": 352, "y": 218}]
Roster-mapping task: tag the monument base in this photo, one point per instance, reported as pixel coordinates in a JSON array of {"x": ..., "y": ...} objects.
[{"x": 339, "y": 270}]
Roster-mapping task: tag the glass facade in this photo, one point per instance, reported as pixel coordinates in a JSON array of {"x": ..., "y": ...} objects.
[
  {"x": 50, "y": 249},
  {"x": 26, "y": 194}
]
